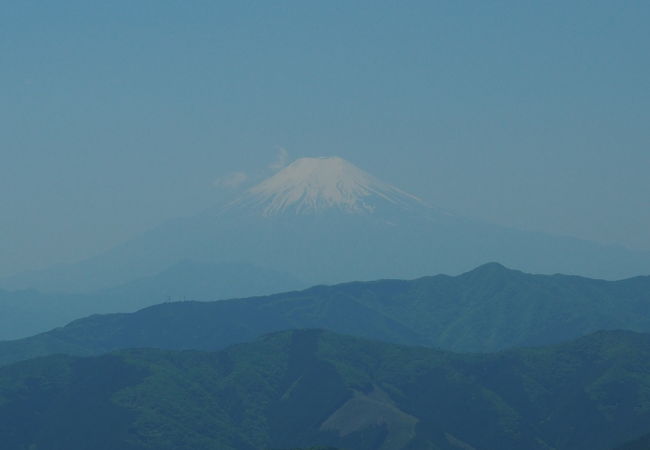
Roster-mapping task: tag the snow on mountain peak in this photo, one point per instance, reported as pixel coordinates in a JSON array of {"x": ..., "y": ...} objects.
[{"x": 312, "y": 185}]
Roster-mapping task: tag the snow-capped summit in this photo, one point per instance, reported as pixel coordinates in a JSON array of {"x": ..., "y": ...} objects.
[
  {"x": 323, "y": 220},
  {"x": 313, "y": 185}
]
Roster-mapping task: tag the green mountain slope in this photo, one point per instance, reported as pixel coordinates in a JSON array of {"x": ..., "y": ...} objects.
[
  {"x": 488, "y": 309},
  {"x": 307, "y": 388}
]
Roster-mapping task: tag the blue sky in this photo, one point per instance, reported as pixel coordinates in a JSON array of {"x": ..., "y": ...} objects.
[{"x": 118, "y": 115}]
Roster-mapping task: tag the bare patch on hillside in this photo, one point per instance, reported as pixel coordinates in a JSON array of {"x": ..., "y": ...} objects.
[{"x": 373, "y": 409}]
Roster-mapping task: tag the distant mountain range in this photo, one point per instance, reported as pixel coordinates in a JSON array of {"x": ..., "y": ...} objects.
[
  {"x": 305, "y": 388},
  {"x": 323, "y": 220},
  {"x": 488, "y": 309},
  {"x": 28, "y": 312}
]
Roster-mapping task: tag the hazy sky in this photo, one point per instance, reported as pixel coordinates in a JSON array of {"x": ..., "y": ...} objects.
[{"x": 115, "y": 116}]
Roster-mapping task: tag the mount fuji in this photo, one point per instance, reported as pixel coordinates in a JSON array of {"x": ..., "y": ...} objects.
[
  {"x": 324, "y": 220},
  {"x": 316, "y": 185}
]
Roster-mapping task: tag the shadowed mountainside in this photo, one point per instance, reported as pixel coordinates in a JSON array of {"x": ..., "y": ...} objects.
[{"x": 487, "y": 309}]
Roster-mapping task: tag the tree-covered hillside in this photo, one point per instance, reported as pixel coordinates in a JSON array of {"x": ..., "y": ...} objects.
[
  {"x": 488, "y": 309},
  {"x": 307, "y": 388}
]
